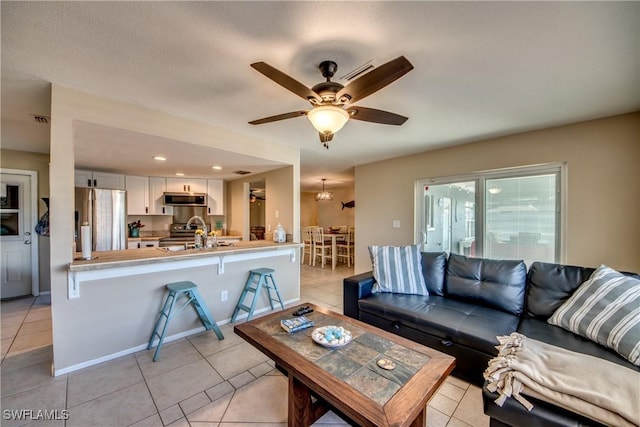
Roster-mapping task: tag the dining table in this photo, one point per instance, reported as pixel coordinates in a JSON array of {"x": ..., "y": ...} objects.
[{"x": 326, "y": 235}]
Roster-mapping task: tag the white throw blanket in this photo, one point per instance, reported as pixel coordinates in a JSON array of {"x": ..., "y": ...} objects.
[{"x": 600, "y": 390}]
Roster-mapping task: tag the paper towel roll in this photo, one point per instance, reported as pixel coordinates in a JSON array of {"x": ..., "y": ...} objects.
[{"x": 85, "y": 237}]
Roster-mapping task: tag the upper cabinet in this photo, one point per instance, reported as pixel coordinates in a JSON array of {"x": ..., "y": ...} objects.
[
  {"x": 84, "y": 178},
  {"x": 145, "y": 195},
  {"x": 157, "y": 187},
  {"x": 186, "y": 185},
  {"x": 215, "y": 197},
  {"x": 137, "y": 195}
]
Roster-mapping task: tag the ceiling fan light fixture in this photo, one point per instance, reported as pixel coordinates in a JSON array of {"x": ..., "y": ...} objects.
[{"x": 328, "y": 119}]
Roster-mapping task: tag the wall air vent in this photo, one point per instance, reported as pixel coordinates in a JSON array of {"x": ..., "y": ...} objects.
[
  {"x": 241, "y": 172},
  {"x": 358, "y": 71},
  {"x": 43, "y": 120}
]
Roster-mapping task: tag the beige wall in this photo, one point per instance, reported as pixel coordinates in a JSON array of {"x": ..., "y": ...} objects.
[
  {"x": 281, "y": 194},
  {"x": 308, "y": 209},
  {"x": 68, "y": 106},
  {"x": 257, "y": 213},
  {"x": 129, "y": 306},
  {"x": 327, "y": 213},
  {"x": 39, "y": 162},
  {"x": 602, "y": 176}
]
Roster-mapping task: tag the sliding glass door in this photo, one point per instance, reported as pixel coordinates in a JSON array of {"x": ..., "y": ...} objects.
[
  {"x": 521, "y": 218},
  {"x": 448, "y": 216},
  {"x": 510, "y": 214}
]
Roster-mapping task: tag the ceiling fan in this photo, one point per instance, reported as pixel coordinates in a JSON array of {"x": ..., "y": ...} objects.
[{"x": 332, "y": 102}]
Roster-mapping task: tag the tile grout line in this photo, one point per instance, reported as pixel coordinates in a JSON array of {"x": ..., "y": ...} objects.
[
  {"x": 148, "y": 390},
  {"x": 13, "y": 339}
]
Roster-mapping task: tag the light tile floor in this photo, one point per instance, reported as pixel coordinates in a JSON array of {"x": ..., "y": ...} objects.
[{"x": 198, "y": 381}]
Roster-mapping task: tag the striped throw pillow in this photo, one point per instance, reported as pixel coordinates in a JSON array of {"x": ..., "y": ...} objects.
[
  {"x": 398, "y": 269},
  {"x": 605, "y": 309}
]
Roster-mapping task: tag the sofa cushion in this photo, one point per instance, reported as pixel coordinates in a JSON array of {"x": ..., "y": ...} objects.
[
  {"x": 605, "y": 309},
  {"x": 398, "y": 269},
  {"x": 497, "y": 284},
  {"x": 550, "y": 285},
  {"x": 540, "y": 330},
  {"x": 434, "y": 267},
  {"x": 462, "y": 323}
]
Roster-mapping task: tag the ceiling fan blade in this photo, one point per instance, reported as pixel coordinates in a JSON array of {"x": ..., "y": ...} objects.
[
  {"x": 287, "y": 82},
  {"x": 376, "y": 116},
  {"x": 376, "y": 79},
  {"x": 279, "y": 117}
]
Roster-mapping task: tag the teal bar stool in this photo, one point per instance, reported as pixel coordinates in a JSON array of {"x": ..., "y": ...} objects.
[
  {"x": 258, "y": 278},
  {"x": 177, "y": 290}
]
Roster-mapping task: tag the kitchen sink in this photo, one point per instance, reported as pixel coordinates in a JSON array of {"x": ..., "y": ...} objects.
[
  {"x": 186, "y": 246},
  {"x": 173, "y": 248}
]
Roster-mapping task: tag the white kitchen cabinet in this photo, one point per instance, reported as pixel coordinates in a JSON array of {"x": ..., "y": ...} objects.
[
  {"x": 137, "y": 195},
  {"x": 146, "y": 243},
  {"x": 157, "y": 187},
  {"x": 84, "y": 178},
  {"x": 215, "y": 197},
  {"x": 192, "y": 185},
  {"x": 133, "y": 243}
]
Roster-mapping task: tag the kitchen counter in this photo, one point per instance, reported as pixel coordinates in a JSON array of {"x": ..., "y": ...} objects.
[
  {"x": 113, "y": 300},
  {"x": 143, "y": 256}
]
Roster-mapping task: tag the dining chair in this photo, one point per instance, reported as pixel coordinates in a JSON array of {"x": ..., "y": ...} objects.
[
  {"x": 321, "y": 247},
  {"x": 307, "y": 239},
  {"x": 346, "y": 248}
]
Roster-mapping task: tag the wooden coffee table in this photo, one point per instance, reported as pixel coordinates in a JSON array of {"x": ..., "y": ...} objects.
[{"x": 347, "y": 379}]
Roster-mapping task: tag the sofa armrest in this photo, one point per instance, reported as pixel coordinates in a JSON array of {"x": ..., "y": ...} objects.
[{"x": 355, "y": 288}]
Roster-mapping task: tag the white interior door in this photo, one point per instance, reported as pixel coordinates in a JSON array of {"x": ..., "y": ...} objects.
[{"x": 16, "y": 235}]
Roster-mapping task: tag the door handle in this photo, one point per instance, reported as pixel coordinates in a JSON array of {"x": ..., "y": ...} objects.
[
  {"x": 27, "y": 238},
  {"x": 424, "y": 237}
]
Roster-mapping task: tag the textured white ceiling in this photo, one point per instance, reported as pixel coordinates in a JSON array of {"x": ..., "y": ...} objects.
[{"x": 482, "y": 69}]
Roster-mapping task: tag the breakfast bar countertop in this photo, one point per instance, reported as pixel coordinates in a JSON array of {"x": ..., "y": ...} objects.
[{"x": 135, "y": 257}]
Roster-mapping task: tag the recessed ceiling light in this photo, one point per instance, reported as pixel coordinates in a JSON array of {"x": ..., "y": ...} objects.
[
  {"x": 161, "y": 158},
  {"x": 179, "y": 174},
  {"x": 216, "y": 167}
]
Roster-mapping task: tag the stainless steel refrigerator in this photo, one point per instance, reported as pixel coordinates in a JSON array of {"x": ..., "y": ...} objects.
[{"x": 106, "y": 212}]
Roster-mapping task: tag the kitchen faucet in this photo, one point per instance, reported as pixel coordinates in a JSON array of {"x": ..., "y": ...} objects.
[{"x": 204, "y": 224}]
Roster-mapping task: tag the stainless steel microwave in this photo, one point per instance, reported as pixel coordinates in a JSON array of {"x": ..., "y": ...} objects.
[{"x": 185, "y": 199}]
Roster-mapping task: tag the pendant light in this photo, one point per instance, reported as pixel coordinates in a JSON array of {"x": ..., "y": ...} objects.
[{"x": 324, "y": 195}]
